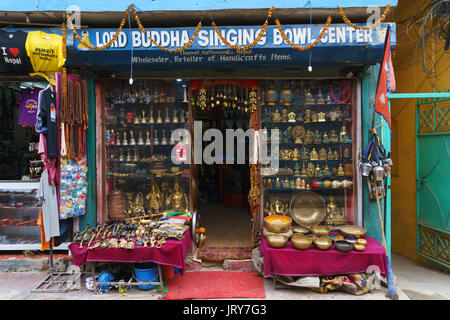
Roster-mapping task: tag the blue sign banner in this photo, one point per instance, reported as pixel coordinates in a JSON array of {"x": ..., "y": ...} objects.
[{"x": 341, "y": 45}]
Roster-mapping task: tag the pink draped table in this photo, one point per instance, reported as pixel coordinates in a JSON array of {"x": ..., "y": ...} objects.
[
  {"x": 172, "y": 253},
  {"x": 289, "y": 261}
]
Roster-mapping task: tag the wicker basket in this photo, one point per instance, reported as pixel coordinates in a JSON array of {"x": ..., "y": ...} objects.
[{"x": 117, "y": 204}]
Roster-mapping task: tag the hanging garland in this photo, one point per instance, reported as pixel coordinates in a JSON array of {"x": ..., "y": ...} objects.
[
  {"x": 110, "y": 42},
  {"x": 180, "y": 49},
  {"x": 222, "y": 38},
  {"x": 293, "y": 45},
  {"x": 376, "y": 24},
  {"x": 251, "y": 45}
]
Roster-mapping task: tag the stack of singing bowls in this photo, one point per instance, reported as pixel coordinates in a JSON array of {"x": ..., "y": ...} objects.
[{"x": 277, "y": 230}]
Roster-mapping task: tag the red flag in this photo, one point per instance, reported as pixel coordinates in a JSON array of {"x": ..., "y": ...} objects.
[{"x": 386, "y": 81}]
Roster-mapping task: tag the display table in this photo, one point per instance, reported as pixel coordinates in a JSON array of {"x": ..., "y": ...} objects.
[
  {"x": 172, "y": 253},
  {"x": 289, "y": 261}
]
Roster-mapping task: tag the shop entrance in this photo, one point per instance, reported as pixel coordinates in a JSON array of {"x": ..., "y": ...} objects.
[{"x": 223, "y": 187}]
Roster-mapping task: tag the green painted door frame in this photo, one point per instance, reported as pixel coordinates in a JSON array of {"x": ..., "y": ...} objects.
[
  {"x": 91, "y": 201},
  {"x": 432, "y": 170}
]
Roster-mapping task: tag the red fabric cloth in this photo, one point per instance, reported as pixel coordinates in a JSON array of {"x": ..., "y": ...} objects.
[
  {"x": 215, "y": 285},
  {"x": 172, "y": 253},
  {"x": 289, "y": 261}
]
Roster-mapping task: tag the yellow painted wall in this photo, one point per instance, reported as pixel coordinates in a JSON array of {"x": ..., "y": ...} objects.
[{"x": 410, "y": 78}]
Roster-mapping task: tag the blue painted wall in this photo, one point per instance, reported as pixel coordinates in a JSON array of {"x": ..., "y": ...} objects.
[{"x": 172, "y": 5}]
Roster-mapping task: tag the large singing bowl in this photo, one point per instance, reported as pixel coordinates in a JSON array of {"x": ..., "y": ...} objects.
[{"x": 307, "y": 209}]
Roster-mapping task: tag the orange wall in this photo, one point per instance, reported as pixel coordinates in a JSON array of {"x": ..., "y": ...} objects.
[{"x": 410, "y": 78}]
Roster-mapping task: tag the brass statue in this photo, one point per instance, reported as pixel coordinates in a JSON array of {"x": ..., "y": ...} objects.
[
  {"x": 175, "y": 200},
  {"x": 295, "y": 154},
  {"x": 307, "y": 118},
  {"x": 322, "y": 154},
  {"x": 314, "y": 116},
  {"x": 320, "y": 99},
  {"x": 276, "y": 116},
  {"x": 334, "y": 138},
  {"x": 321, "y": 116},
  {"x": 340, "y": 171},
  {"x": 139, "y": 205},
  {"x": 313, "y": 155},
  {"x": 334, "y": 215},
  {"x": 309, "y": 99},
  {"x": 154, "y": 199},
  {"x": 278, "y": 208},
  {"x": 285, "y": 116},
  {"x": 291, "y": 117}
]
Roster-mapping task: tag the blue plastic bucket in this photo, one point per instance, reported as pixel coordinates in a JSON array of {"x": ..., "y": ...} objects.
[{"x": 146, "y": 275}]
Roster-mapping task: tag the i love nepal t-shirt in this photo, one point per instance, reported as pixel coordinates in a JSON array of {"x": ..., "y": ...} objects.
[{"x": 13, "y": 55}]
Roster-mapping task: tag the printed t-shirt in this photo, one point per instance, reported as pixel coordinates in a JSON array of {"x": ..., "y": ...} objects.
[
  {"x": 28, "y": 104},
  {"x": 45, "y": 53},
  {"x": 14, "y": 57}
]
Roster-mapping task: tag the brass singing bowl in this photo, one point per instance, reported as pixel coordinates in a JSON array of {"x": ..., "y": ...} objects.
[
  {"x": 268, "y": 233},
  {"x": 359, "y": 246},
  {"x": 307, "y": 209},
  {"x": 320, "y": 230},
  {"x": 277, "y": 223},
  {"x": 276, "y": 240},
  {"x": 322, "y": 243},
  {"x": 353, "y": 231},
  {"x": 362, "y": 241},
  {"x": 343, "y": 245},
  {"x": 300, "y": 241},
  {"x": 300, "y": 230},
  {"x": 338, "y": 237}
]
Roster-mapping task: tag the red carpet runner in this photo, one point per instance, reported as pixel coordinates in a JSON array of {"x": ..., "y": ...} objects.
[{"x": 215, "y": 285}]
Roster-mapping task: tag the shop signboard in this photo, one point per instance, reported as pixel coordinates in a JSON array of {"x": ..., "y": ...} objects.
[{"x": 341, "y": 45}]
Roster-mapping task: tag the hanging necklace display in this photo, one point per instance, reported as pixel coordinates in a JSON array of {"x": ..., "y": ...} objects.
[
  {"x": 140, "y": 139},
  {"x": 175, "y": 118},
  {"x": 148, "y": 142},
  {"x": 143, "y": 120},
  {"x": 121, "y": 156},
  {"x": 128, "y": 158},
  {"x": 135, "y": 157}
]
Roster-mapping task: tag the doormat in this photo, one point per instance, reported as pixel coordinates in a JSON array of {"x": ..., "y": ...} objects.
[
  {"x": 215, "y": 285},
  {"x": 219, "y": 254}
]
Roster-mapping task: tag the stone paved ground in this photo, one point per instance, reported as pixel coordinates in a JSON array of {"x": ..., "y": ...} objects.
[{"x": 414, "y": 281}]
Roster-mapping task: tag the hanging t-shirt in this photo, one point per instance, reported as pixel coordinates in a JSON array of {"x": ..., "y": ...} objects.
[
  {"x": 46, "y": 120},
  {"x": 14, "y": 57},
  {"x": 28, "y": 104},
  {"x": 45, "y": 51}
]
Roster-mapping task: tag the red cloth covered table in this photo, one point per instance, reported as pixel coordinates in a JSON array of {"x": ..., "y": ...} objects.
[
  {"x": 289, "y": 261},
  {"x": 172, "y": 253}
]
